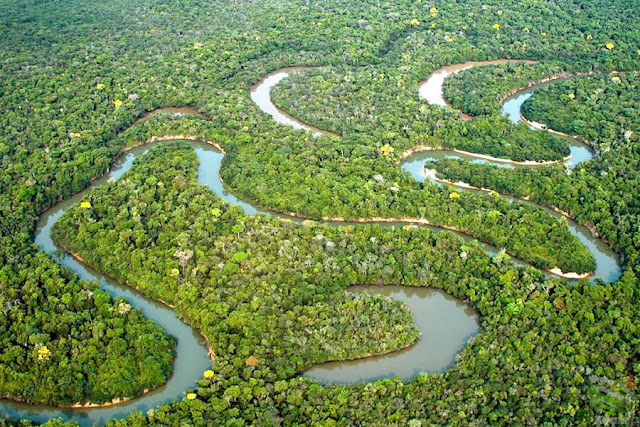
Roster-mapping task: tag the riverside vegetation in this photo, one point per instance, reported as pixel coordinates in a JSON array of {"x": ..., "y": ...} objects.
[
  {"x": 75, "y": 77},
  {"x": 599, "y": 109},
  {"x": 259, "y": 287}
]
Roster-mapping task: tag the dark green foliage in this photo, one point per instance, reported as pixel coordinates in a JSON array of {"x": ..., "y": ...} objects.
[
  {"x": 601, "y": 109},
  {"x": 284, "y": 303},
  {"x": 479, "y": 90},
  {"x": 249, "y": 283},
  {"x": 601, "y": 193},
  {"x": 381, "y": 105},
  {"x": 99, "y": 348},
  {"x": 526, "y": 367}
]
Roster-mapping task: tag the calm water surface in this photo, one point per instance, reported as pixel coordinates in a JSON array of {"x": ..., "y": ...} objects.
[{"x": 446, "y": 324}]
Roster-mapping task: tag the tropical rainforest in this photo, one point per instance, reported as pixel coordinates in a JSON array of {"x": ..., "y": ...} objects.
[{"x": 271, "y": 295}]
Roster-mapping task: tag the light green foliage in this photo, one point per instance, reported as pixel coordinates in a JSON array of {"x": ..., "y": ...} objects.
[{"x": 76, "y": 73}]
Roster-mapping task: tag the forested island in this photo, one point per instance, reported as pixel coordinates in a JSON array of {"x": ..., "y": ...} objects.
[{"x": 172, "y": 253}]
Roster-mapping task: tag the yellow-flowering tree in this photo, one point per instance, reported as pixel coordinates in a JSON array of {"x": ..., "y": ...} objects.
[
  {"x": 386, "y": 149},
  {"x": 44, "y": 354}
]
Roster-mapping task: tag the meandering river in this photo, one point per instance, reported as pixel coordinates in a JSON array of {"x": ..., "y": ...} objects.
[
  {"x": 433, "y": 351},
  {"x": 446, "y": 323},
  {"x": 512, "y": 107},
  {"x": 607, "y": 263},
  {"x": 191, "y": 352}
]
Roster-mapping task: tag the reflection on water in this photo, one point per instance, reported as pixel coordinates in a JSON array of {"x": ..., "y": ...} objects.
[
  {"x": 261, "y": 95},
  {"x": 511, "y": 109},
  {"x": 446, "y": 324},
  {"x": 191, "y": 351}
]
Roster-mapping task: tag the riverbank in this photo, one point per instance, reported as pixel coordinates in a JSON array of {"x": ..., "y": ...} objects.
[
  {"x": 549, "y": 79},
  {"x": 115, "y": 401},
  {"x": 172, "y": 138},
  {"x": 210, "y": 351},
  {"x": 432, "y": 89},
  {"x": 192, "y": 354},
  {"x": 260, "y": 94},
  {"x": 512, "y": 162},
  {"x": 542, "y": 126},
  {"x": 421, "y": 148},
  {"x": 432, "y": 174}
]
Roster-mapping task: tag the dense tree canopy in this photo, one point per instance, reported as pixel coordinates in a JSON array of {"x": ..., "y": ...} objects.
[
  {"x": 601, "y": 193},
  {"x": 269, "y": 295},
  {"x": 75, "y": 76},
  {"x": 479, "y": 90},
  {"x": 381, "y": 105}
]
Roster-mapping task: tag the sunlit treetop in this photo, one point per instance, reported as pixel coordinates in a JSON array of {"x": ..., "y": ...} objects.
[
  {"x": 44, "y": 354},
  {"x": 386, "y": 149}
]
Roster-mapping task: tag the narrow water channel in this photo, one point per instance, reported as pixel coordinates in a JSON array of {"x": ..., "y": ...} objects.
[
  {"x": 607, "y": 263},
  {"x": 446, "y": 323},
  {"x": 512, "y": 109},
  {"x": 191, "y": 351},
  {"x": 192, "y": 358},
  {"x": 261, "y": 96},
  {"x": 432, "y": 88}
]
